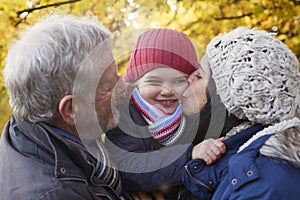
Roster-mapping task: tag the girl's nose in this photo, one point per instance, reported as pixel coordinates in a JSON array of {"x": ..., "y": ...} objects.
[{"x": 167, "y": 91}]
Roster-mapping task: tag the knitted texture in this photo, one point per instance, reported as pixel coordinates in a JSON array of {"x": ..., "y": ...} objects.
[
  {"x": 161, "y": 48},
  {"x": 166, "y": 129},
  {"x": 278, "y": 127},
  {"x": 257, "y": 76}
]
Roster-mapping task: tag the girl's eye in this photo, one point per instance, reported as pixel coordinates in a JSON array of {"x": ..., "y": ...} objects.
[
  {"x": 180, "y": 81},
  {"x": 153, "y": 81}
]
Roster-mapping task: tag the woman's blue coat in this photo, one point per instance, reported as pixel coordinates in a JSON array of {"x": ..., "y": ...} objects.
[{"x": 243, "y": 175}]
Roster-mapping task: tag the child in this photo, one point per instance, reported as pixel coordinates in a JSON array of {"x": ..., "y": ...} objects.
[{"x": 158, "y": 69}]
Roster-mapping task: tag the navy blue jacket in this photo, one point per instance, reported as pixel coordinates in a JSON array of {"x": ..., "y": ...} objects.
[
  {"x": 243, "y": 175},
  {"x": 145, "y": 165},
  {"x": 36, "y": 163}
]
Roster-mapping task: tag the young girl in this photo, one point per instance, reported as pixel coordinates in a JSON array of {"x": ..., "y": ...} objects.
[
  {"x": 158, "y": 69},
  {"x": 159, "y": 66}
]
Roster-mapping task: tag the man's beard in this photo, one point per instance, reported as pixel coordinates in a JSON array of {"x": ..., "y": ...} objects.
[
  {"x": 107, "y": 122},
  {"x": 110, "y": 115}
]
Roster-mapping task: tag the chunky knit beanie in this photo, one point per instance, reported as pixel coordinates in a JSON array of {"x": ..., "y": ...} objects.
[
  {"x": 161, "y": 47},
  {"x": 257, "y": 76}
]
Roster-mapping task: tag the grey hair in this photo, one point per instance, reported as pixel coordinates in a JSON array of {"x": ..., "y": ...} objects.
[{"x": 41, "y": 66}]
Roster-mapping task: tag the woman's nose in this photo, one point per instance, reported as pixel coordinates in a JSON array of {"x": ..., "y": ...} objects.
[
  {"x": 190, "y": 79},
  {"x": 186, "y": 93}
]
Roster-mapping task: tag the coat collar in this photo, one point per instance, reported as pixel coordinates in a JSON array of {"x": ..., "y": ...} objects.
[
  {"x": 242, "y": 137},
  {"x": 271, "y": 130},
  {"x": 65, "y": 152},
  {"x": 287, "y": 131}
]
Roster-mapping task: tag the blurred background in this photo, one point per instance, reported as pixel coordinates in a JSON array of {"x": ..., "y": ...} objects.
[{"x": 200, "y": 20}]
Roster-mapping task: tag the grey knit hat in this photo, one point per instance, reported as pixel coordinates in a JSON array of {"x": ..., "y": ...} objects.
[{"x": 257, "y": 76}]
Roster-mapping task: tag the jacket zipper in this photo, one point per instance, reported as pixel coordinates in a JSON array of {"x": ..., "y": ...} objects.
[{"x": 202, "y": 184}]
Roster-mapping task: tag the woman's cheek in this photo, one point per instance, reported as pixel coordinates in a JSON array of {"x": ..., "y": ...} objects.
[{"x": 180, "y": 90}]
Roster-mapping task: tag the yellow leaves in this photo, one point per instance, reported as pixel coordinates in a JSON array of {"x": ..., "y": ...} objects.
[
  {"x": 257, "y": 10},
  {"x": 5, "y": 111},
  {"x": 282, "y": 37}
]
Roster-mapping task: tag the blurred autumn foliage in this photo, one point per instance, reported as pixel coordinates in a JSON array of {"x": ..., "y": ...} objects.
[{"x": 200, "y": 20}]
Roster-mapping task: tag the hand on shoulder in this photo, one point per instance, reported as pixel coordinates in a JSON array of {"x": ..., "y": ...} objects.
[{"x": 209, "y": 150}]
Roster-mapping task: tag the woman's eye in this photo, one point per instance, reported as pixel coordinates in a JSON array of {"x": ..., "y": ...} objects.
[{"x": 198, "y": 76}]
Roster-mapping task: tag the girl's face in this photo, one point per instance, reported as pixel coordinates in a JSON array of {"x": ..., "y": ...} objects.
[
  {"x": 195, "y": 97},
  {"x": 163, "y": 87}
]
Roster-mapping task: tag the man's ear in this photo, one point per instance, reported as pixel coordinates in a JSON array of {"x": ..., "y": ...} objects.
[{"x": 65, "y": 109}]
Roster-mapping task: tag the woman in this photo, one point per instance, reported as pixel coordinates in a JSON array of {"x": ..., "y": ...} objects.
[{"x": 257, "y": 78}]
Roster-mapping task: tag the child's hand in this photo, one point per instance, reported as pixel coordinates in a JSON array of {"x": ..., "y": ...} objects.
[{"x": 209, "y": 150}]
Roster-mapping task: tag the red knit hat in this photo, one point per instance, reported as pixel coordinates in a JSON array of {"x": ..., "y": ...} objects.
[{"x": 161, "y": 47}]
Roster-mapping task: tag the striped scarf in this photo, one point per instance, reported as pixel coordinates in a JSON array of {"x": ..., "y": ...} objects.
[
  {"x": 166, "y": 129},
  {"x": 106, "y": 172},
  {"x": 103, "y": 170}
]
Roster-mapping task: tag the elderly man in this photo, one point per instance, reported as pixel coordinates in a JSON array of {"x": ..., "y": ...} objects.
[{"x": 62, "y": 81}]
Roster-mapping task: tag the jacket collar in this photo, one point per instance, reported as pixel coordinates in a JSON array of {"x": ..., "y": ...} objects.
[
  {"x": 240, "y": 138},
  {"x": 271, "y": 130},
  {"x": 65, "y": 152},
  {"x": 288, "y": 131}
]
